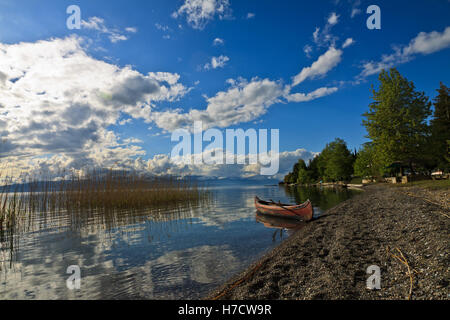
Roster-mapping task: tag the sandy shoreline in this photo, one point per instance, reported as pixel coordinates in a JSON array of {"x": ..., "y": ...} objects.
[{"x": 328, "y": 258}]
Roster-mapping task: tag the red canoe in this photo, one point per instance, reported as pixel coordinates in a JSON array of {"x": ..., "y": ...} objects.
[{"x": 302, "y": 211}]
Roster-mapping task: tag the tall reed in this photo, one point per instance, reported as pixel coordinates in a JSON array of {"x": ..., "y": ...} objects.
[{"x": 97, "y": 190}]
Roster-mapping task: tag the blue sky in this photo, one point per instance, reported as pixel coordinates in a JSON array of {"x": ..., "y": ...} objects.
[{"x": 263, "y": 45}]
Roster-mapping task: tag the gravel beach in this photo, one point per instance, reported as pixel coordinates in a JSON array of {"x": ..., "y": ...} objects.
[{"x": 328, "y": 258}]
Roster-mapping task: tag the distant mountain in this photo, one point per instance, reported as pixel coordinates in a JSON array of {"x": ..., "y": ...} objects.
[
  {"x": 215, "y": 181},
  {"x": 207, "y": 181},
  {"x": 26, "y": 187}
]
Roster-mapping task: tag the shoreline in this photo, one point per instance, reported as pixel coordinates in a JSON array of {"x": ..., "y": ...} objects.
[
  {"x": 328, "y": 258},
  {"x": 358, "y": 186}
]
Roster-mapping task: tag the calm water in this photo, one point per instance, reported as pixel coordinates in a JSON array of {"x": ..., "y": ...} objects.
[{"x": 171, "y": 254}]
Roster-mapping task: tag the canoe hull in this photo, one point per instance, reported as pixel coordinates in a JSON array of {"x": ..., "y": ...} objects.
[{"x": 304, "y": 211}]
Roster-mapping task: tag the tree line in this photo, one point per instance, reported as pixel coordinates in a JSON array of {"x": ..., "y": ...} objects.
[{"x": 404, "y": 133}]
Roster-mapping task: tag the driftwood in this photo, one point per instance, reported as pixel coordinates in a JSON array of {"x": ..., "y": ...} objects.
[{"x": 403, "y": 260}]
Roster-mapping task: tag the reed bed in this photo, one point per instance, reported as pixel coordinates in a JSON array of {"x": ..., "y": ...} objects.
[
  {"x": 97, "y": 190},
  {"x": 99, "y": 199}
]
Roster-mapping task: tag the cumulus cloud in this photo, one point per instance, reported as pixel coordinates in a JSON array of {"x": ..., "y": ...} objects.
[
  {"x": 320, "y": 67},
  {"x": 163, "y": 164},
  {"x": 132, "y": 90},
  {"x": 216, "y": 62},
  {"x": 424, "y": 44},
  {"x": 56, "y": 99},
  {"x": 200, "y": 12},
  {"x": 58, "y": 165},
  {"x": 58, "y": 105},
  {"x": 243, "y": 102}
]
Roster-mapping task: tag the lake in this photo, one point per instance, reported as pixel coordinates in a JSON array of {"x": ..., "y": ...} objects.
[{"x": 172, "y": 253}]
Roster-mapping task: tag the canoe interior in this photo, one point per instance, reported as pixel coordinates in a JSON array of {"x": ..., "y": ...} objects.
[
  {"x": 281, "y": 206},
  {"x": 267, "y": 203}
]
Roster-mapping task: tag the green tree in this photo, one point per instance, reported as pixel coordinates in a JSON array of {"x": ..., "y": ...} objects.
[
  {"x": 292, "y": 177},
  {"x": 289, "y": 178},
  {"x": 300, "y": 163},
  {"x": 440, "y": 128},
  {"x": 335, "y": 162},
  {"x": 366, "y": 164},
  {"x": 302, "y": 172},
  {"x": 396, "y": 120},
  {"x": 313, "y": 169}
]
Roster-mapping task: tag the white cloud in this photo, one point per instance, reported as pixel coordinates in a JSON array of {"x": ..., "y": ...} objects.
[
  {"x": 200, "y": 12},
  {"x": 131, "y": 29},
  {"x": 98, "y": 24},
  {"x": 163, "y": 164},
  {"x": 307, "y": 49},
  {"x": 323, "y": 37},
  {"x": 165, "y": 29},
  {"x": 57, "y": 105},
  {"x": 355, "y": 8},
  {"x": 348, "y": 42},
  {"x": 217, "y": 62},
  {"x": 424, "y": 43},
  {"x": 316, "y": 34},
  {"x": 333, "y": 19},
  {"x": 318, "y": 93},
  {"x": 250, "y": 15},
  {"x": 94, "y": 23},
  {"x": 162, "y": 27},
  {"x": 320, "y": 67},
  {"x": 243, "y": 102},
  {"x": 57, "y": 100},
  {"x": 125, "y": 121},
  {"x": 218, "y": 42},
  {"x": 355, "y": 11},
  {"x": 160, "y": 165},
  {"x": 117, "y": 37}
]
